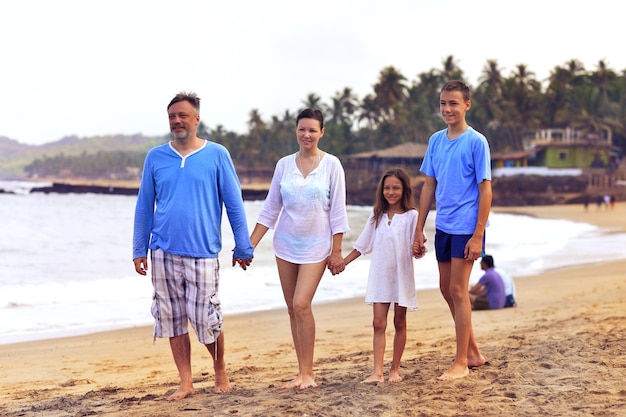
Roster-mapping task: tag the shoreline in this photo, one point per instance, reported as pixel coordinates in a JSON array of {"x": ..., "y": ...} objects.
[{"x": 560, "y": 352}]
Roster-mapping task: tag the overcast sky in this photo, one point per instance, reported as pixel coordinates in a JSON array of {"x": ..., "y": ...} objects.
[{"x": 87, "y": 68}]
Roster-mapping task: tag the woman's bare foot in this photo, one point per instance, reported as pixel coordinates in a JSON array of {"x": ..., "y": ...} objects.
[
  {"x": 455, "y": 372},
  {"x": 394, "y": 376},
  {"x": 373, "y": 379},
  {"x": 181, "y": 393}
]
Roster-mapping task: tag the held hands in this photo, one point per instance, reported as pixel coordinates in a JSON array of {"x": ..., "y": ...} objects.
[
  {"x": 419, "y": 247},
  {"x": 335, "y": 263},
  {"x": 243, "y": 263}
]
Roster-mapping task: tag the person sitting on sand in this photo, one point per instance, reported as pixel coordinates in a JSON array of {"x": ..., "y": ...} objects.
[
  {"x": 509, "y": 287},
  {"x": 488, "y": 293}
]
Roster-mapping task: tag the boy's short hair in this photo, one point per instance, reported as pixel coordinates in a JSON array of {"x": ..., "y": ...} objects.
[{"x": 456, "y": 85}]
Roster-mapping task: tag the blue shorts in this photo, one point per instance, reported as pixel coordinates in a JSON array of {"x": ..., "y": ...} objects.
[{"x": 449, "y": 246}]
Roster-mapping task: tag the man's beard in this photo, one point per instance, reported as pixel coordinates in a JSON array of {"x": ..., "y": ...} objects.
[{"x": 180, "y": 134}]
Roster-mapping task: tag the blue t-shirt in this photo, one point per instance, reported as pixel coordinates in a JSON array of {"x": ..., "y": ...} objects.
[
  {"x": 179, "y": 206},
  {"x": 495, "y": 288},
  {"x": 458, "y": 165}
]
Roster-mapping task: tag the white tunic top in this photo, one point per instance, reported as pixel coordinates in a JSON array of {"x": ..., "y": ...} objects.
[
  {"x": 391, "y": 276},
  {"x": 311, "y": 209}
]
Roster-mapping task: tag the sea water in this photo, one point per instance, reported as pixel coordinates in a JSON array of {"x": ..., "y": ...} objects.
[{"x": 66, "y": 262}]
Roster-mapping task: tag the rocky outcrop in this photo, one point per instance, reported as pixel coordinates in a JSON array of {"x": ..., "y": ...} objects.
[
  {"x": 515, "y": 190},
  {"x": 534, "y": 190}
]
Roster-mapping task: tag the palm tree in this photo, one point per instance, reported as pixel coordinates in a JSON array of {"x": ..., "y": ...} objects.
[
  {"x": 451, "y": 70},
  {"x": 560, "y": 96},
  {"x": 390, "y": 91},
  {"x": 256, "y": 138},
  {"x": 522, "y": 105},
  {"x": 370, "y": 112},
  {"x": 312, "y": 101},
  {"x": 343, "y": 109},
  {"x": 487, "y": 112},
  {"x": 602, "y": 78}
]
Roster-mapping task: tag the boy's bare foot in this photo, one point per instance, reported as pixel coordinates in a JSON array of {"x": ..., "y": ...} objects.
[
  {"x": 181, "y": 393},
  {"x": 373, "y": 379},
  {"x": 394, "y": 376},
  {"x": 293, "y": 383},
  {"x": 307, "y": 382},
  {"x": 455, "y": 372}
]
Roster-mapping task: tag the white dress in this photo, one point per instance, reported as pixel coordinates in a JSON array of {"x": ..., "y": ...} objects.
[
  {"x": 309, "y": 211},
  {"x": 391, "y": 276}
]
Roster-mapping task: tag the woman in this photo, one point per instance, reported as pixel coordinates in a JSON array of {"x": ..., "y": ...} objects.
[{"x": 308, "y": 194}]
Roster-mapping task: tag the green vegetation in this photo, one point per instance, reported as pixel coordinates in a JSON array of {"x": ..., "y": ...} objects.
[
  {"x": 398, "y": 110},
  {"x": 102, "y": 164},
  {"x": 401, "y": 110}
]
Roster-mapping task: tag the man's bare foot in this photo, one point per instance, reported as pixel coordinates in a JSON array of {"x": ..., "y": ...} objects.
[
  {"x": 222, "y": 383},
  {"x": 476, "y": 362},
  {"x": 373, "y": 379},
  {"x": 455, "y": 372},
  {"x": 181, "y": 393},
  {"x": 394, "y": 376}
]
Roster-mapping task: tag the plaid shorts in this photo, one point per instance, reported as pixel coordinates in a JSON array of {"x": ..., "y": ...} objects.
[{"x": 185, "y": 290}]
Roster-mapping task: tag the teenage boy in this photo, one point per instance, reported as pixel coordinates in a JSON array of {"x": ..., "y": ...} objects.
[{"x": 458, "y": 177}]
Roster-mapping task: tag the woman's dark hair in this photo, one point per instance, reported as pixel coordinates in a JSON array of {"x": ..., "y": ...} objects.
[{"x": 311, "y": 114}]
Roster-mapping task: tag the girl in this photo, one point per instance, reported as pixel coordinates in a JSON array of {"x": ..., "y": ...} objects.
[{"x": 388, "y": 235}]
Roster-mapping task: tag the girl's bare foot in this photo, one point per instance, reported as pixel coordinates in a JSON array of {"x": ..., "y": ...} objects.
[
  {"x": 394, "y": 376},
  {"x": 476, "y": 362}
]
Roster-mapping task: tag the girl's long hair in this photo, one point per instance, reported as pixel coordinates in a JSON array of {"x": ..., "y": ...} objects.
[{"x": 406, "y": 202}]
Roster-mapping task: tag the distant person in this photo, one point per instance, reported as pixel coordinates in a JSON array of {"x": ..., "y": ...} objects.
[
  {"x": 388, "y": 235},
  {"x": 599, "y": 201},
  {"x": 612, "y": 201},
  {"x": 457, "y": 166},
  {"x": 178, "y": 216},
  {"x": 488, "y": 293},
  {"x": 306, "y": 203},
  {"x": 509, "y": 287},
  {"x": 586, "y": 202}
]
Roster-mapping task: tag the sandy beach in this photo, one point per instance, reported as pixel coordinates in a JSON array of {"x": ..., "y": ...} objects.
[{"x": 560, "y": 352}]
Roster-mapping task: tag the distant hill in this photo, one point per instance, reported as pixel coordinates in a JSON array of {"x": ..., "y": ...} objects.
[{"x": 14, "y": 156}]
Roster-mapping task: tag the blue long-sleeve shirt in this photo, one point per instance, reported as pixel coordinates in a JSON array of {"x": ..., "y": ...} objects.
[{"x": 179, "y": 206}]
